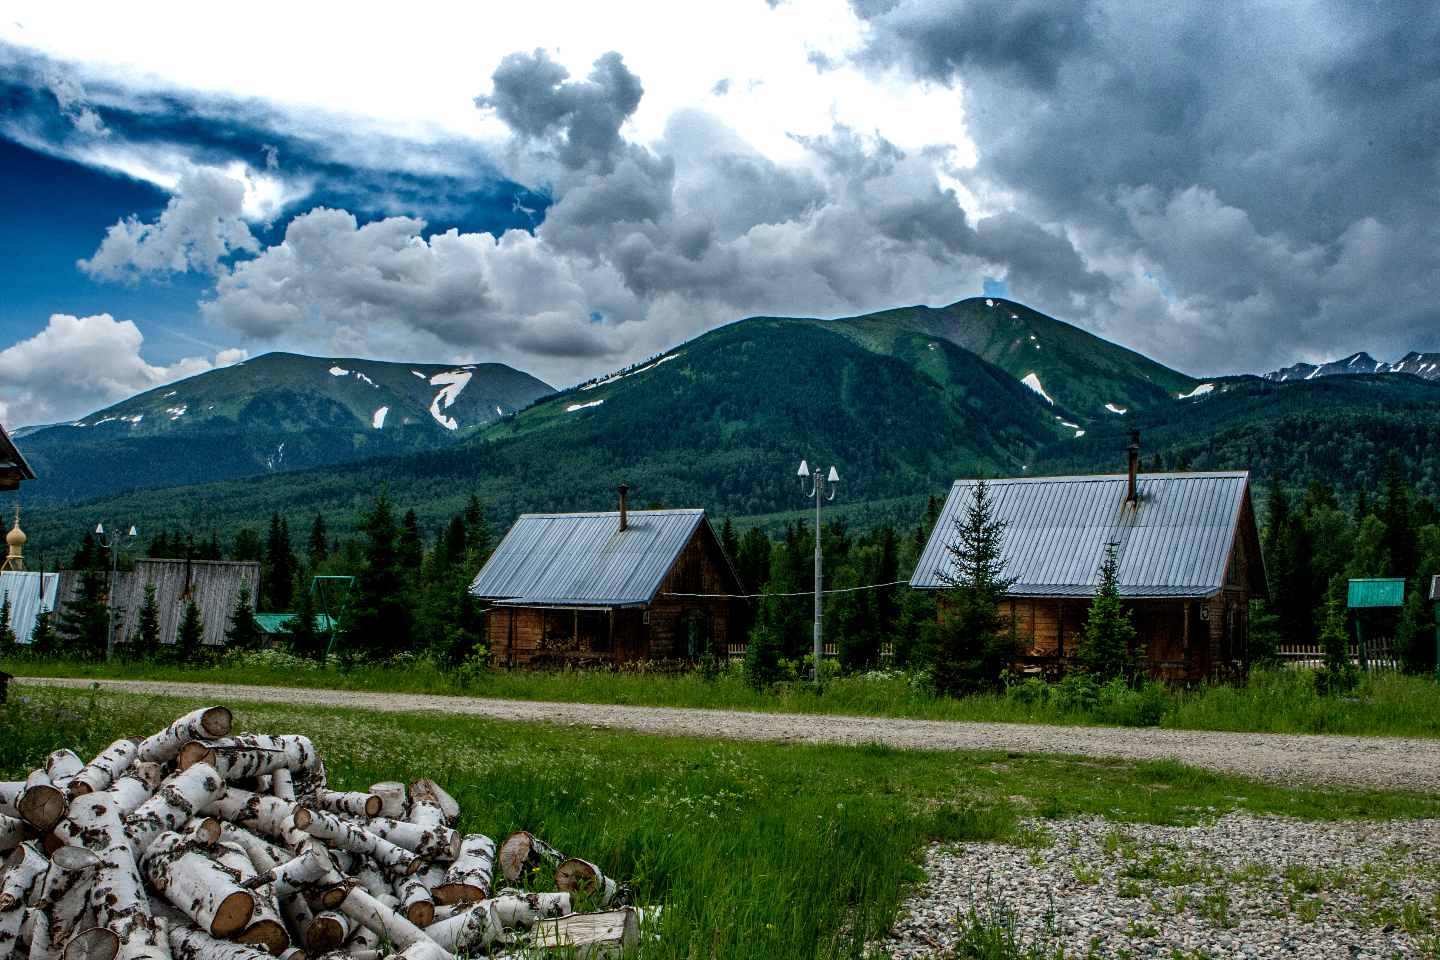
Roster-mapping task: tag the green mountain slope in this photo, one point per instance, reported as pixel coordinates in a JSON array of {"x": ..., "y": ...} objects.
[
  {"x": 275, "y": 412},
  {"x": 722, "y": 421}
]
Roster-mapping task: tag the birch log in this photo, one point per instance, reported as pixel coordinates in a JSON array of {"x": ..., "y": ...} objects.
[
  {"x": 14, "y": 832},
  {"x": 191, "y": 943},
  {"x": 583, "y": 878},
  {"x": 356, "y": 839},
  {"x": 467, "y": 932},
  {"x": 469, "y": 877},
  {"x": 392, "y": 797},
  {"x": 97, "y": 943},
  {"x": 42, "y": 803},
  {"x": 256, "y": 812},
  {"x": 328, "y": 931},
  {"x": 310, "y": 869},
  {"x": 428, "y": 789},
  {"x": 10, "y": 792},
  {"x": 422, "y": 951},
  {"x": 521, "y": 852},
  {"x": 373, "y": 915},
  {"x": 99, "y": 773},
  {"x": 298, "y": 916},
  {"x": 203, "y": 890},
  {"x": 415, "y": 900},
  {"x": 526, "y": 909},
  {"x": 351, "y": 804},
  {"x": 264, "y": 856},
  {"x": 65, "y": 901},
  {"x": 431, "y": 843},
  {"x": 24, "y": 876},
  {"x": 282, "y": 785},
  {"x": 207, "y": 723},
  {"x": 591, "y": 936},
  {"x": 266, "y": 929},
  {"x": 252, "y": 754},
  {"x": 12, "y": 922},
  {"x": 177, "y": 800},
  {"x": 62, "y": 765},
  {"x": 133, "y": 788},
  {"x": 117, "y": 895}
]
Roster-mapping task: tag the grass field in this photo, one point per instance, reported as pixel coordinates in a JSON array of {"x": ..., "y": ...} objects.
[
  {"x": 1276, "y": 700},
  {"x": 756, "y": 850}
]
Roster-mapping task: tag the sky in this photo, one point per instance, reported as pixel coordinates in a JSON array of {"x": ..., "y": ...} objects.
[{"x": 569, "y": 188}]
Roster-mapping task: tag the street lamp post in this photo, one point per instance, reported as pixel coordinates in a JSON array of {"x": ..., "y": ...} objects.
[
  {"x": 818, "y": 490},
  {"x": 113, "y": 545}
]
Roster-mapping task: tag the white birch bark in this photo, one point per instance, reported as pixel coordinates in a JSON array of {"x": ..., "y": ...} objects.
[
  {"x": 13, "y": 832},
  {"x": 524, "y": 910},
  {"x": 203, "y": 890},
  {"x": 470, "y": 877},
  {"x": 522, "y": 851},
  {"x": 291, "y": 835},
  {"x": 202, "y": 831},
  {"x": 64, "y": 901},
  {"x": 97, "y": 943},
  {"x": 24, "y": 876},
  {"x": 207, "y": 723},
  {"x": 426, "y": 813},
  {"x": 130, "y": 790},
  {"x": 266, "y": 929},
  {"x": 297, "y": 915},
  {"x": 117, "y": 894},
  {"x": 294, "y": 953},
  {"x": 146, "y": 941},
  {"x": 99, "y": 773},
  {"x": 415, "y": 900},
  {"x": 42, "y": 804},
  {"x": 350, "y": 804},
  {"x": 431, "y": 843},
  {"x": 256, "y": 812},
  {"x": 190, "y": 943},
  {"x": 349, "y": 836},
  {"x": 282, "y": 785},
  {"x": 469, "y": 931},
  {"x": 264, "y": 856},
  {"x": 311, "y": 869},
  {"x": 253, "y": 754},
  {"x": 592, "y": 888},
  {"x": 62, "y": 765},
  {"x": 392, "y": 797},
  {"x": 10, "y": 792},
  {"x": 592, "y": 936},
  {"x": 428, "y": 789},
  {"x": 373, "y": 915},
  {"x": 328, "y": 931},
  {"x": 422, "y": 951},
  {"x": 12, "y": 922},
  {"x": 177, "y": 800}
]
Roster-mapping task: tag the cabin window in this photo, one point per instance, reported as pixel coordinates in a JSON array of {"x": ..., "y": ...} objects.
[{"x": 695, "y": 635}]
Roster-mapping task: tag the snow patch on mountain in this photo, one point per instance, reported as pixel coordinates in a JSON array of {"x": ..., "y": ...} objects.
[
  {"x": 380, "y": 417},
  {"x": 629, "y": 373},
  {"x": 581, "y": 406},
  {"x": 1033, "y": 382},
  {"x": 339, "y": 372},
  {"x": 1199, "y": 391},
  {"x": 453, "y": 382},
  {"x": 1114, "y": 409}
]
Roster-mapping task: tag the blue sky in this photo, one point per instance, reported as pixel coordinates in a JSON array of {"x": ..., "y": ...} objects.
[{"x": 570, "y": 188}]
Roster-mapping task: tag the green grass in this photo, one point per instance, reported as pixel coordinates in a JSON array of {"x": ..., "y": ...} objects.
[
  {"x": 757, "y": 850},
  {"x": 1271, "y": 701}
]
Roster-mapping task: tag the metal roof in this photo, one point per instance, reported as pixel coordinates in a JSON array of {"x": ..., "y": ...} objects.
[
  {"x": 28, "y": 596},
  {"x": 274, "y": 622},
  {"x": 1435, "y": 588},
  {"x": 1175, "y": 542},
  {"x": 584, "y": 559}
]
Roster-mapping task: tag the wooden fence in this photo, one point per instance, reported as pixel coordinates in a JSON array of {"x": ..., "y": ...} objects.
[
  {"x": 1380, "y": 654},
  {"x": 736, "y": 651}
]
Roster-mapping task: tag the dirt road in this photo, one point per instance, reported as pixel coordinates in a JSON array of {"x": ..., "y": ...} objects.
[{"x": 1392, "y": 763}]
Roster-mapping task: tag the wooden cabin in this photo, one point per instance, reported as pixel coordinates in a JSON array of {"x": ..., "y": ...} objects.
[
  {"x": 1189, "y": 564},
  {"x": 593, "y": 589},
  {"x": 13, "y": 468}
]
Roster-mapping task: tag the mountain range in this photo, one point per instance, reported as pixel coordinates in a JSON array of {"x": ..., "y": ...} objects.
[
  {"x": 902, "y": 402},
  {"x": 1425, "y": 365}
]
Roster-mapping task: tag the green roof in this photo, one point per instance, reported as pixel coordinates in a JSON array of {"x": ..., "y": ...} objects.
[
  {"x": 1377, "y": 593},
  {"x": 271, "y": 622}
]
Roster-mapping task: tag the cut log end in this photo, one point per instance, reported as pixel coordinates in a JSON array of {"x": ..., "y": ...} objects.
[
  {"x": 515, "y": 854},
  {"x": 421, "y": 913},
  {"x": 325, "y": 934},
  {"x": 267, "y": 934},
  {"x": 233, "y": 915},
  {"x": 195, "y": 752},
  {"x": 577, "y": 876},
  {"x": 216, "y": 722},
  {"x": 97, "y": 943},
  {"x": 453, "y": 893},
  {"x": 42, "y": 806},
  {"x": 373, "y": 805}
]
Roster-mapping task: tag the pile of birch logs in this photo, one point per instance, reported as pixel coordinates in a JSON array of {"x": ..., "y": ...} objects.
[{"x": 194, "y": 844}]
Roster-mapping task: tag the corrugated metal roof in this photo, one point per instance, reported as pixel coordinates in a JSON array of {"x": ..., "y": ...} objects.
[
  {"x": 28, "y": 596},
  {"x": 272, "y": 622},
  {"x": 10, "y": 457},
  {"x": 1388, "y": 592},
  {"x": 1175, "y": 543},
  {"x": 583, "y": 559}
]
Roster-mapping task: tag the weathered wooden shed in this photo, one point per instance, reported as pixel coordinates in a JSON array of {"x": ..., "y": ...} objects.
[
  {"x": 1189, "y": 563},
  {"x": 13, "y": 468},
  {"x": 610, "y": 588},
  {"x": 214, "y": 585}
]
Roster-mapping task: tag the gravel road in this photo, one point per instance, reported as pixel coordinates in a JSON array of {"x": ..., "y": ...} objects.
[{"x": 1390, "y": 763}]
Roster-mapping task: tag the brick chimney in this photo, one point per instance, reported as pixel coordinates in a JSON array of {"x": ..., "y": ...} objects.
[
  {"x": 624, "y": 514},
  {"x": 1134, "y": 450}
]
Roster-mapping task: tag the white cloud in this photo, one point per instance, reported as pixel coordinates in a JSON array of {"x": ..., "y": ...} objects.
[
  {"x": 77, "y": 365},
  {"x": 200, "y": 226}
]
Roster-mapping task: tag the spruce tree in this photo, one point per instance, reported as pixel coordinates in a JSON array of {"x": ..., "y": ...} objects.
[
  {"x": 1396, "y": 513},
  {"x": 1339, "y": 674},
  {"x": 319, "y": 545},
  {"x": 477, "y": 531},
  {"x": 456, "y": 541},
  {"x": 244, "y": 632},
  {"x": 728, "y": 541},
  {"x": 378, "y": 620},
  {"x": 1107, "y": 640},
  {"x": 7, "y": 635},
  {"x": 752, "y": 560},
  {"x": 278, "y": 573},
  {"x": 248, "y": 547},
  {"x": 762, "y": 656},
  {"x": 44, "y": 641},
  {"x": 190, "y": 649},
  {"x": 970, "y": 653},
  {"x": 305, "y": 639},
  {"x": 145, "y": 645},
  {"x": 409, "y": 546},
  {"x": 84, "y": 622}
]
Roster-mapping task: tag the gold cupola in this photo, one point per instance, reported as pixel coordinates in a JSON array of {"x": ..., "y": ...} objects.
[{"x": 16, "y": 539}]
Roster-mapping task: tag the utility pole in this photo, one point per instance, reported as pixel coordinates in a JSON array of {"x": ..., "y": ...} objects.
[{"x": 818, "y": 491}]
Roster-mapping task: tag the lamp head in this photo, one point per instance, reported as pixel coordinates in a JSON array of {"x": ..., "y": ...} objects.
[
  {"x": 133, "y": 533},
  {"x": 804, "y": 469},
  {"x": 100, "y": 529},
  {"x": 834, "y": 477}
]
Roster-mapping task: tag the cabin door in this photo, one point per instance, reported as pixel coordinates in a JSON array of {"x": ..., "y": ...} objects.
[{"x": 629, "y": 645}]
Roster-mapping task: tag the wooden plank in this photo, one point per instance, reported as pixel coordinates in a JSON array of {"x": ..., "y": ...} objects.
[{"x": 592, "y": 936}]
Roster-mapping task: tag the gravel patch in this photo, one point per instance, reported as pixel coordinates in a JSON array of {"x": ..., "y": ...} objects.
[
  {"x": 1243, "y": 887},
  {"x": 1391, "y": 763}
]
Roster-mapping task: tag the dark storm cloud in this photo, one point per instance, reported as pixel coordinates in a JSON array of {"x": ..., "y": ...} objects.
[
  {"x": 530, "y": 94},
  {"x": 1276, "y": 165}
]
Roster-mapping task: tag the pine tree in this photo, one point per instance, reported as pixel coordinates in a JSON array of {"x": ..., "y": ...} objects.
[
  {"x": 190, "y": 649},
  {"x": 84, "y": 623},
  {"x": 159, "y": 546},
  {"x": 319, "y": 545},
  {"x": 244, "y": 632},
  {"x": 145, "y": 645},
  {"x": 969, "y": 651},
  {"x": 306, "y": 640},
  {"x": 1157, "y": 465},
  {"x": 1107, "y": 640},
  {"x": 277, "y": 585},
  {"x": 379, "y": 621}
]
